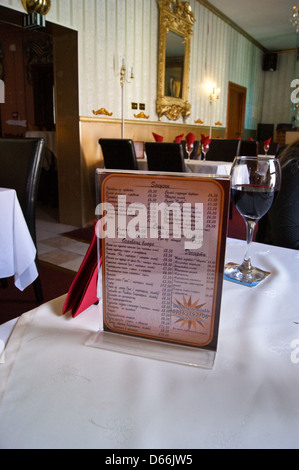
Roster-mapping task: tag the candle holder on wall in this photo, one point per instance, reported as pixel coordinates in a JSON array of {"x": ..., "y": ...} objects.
[
  {"x": 124, "y": 80},
  {"x": 214, "y": 94}
]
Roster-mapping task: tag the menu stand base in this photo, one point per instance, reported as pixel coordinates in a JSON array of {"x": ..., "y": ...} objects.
[{"x": 152, "y": 349}]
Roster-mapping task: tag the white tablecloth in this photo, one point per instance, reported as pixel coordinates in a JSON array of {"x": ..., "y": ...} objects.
[
  {"x": 57, "y": 392},
  {"x": 198, "y": 166},
  {"x": 17, "y": 253},
  {"x": 209, "y": 167}
]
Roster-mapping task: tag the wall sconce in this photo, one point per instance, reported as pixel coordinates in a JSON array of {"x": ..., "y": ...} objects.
[
  {"x": 123, "y": 74},
  {"x": 212, "y": 91},
  {"x": 294, "y": 19},
  {"x": 214, "y": 94},
  {"x": 124, "y": 80}
]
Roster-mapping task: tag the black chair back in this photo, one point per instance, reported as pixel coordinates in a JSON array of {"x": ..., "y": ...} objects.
[
  {"x": 248, "y": 148},
  {"x": 164, "y": 156},
  {"x": 119, "y": 154},
  {"x": 223, "y": 150},
  {"x": 21, "y": 163}
]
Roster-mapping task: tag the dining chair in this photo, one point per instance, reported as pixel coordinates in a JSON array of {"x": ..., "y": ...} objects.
[
  {"x": 223, "y": 150},
  {"x": 21, "y": 161},
  {"x": 248, "y": 148},
  {"x": 194, "y": 154},
  {"x": 164, "y": 156},
  {"x": 119, "y": 154}
]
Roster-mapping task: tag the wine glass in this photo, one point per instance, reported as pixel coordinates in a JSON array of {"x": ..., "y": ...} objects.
[
  {"x": 189, "y": 148},
  {"x": 266, "y": 148},
  {"x": 204, "y": 149},
  {"x": 255, "y": 182}
]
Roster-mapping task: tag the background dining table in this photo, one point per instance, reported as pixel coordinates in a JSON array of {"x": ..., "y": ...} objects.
[
  {"x": 18, "y": 252},
  {"x": 209, "y": 167},
  {"x": 56, "y": 391},
  {"x": 198, "y": 166}
]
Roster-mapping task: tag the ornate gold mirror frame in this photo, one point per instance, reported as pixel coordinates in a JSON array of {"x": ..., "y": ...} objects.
[{"x": 176, "y": 17}]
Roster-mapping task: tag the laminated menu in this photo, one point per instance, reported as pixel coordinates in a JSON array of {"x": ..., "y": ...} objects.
[{"x": 163, "y": 243}]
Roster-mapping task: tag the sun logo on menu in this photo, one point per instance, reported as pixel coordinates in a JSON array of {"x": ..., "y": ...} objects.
[{"x": 191, "y": 314}]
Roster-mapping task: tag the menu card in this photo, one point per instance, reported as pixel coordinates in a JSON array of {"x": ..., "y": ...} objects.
[{"x": 163, "y": 243}]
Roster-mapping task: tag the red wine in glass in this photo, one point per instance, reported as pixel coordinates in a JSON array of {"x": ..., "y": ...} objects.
[
  {"x": 255, "y": 182},
  {"x": 253, "y": 202}
]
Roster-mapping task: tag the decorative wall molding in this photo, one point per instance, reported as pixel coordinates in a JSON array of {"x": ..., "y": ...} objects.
[
  {"x": 102, "y": 111},
  {"x": 41, "y": 7},
  {"x": 141, "y": 115}
]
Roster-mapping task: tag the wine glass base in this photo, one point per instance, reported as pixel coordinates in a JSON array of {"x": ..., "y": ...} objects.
[{"x": 249, "y": 277}]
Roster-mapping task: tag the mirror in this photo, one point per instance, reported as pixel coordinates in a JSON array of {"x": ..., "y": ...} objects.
[
  {"x": 174, "y": 65},
  {"x": 176, "y": 21}
]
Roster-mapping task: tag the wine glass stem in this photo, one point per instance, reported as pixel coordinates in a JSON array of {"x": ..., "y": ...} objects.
[{"x": 250, "y": 226}]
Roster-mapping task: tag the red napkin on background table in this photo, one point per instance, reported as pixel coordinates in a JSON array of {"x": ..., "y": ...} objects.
[
  {"x": 190, "y": 139},
  {"x": 178, "y": 138},
  {"x": 83, "y": 291},
  {"x": 251, "y": 139},
  {"x": 205, "y": 141},
  {"x": 267, "y": 142},
  {"x": 157, "y": 137}
]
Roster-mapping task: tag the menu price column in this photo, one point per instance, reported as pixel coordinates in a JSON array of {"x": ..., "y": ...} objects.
[{"x": 166, "y": 290}]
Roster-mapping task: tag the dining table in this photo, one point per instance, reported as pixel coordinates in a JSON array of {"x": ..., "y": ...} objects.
[
  {"x": 218, "y": 168},
  {"x": 58, "y": 391},
  {"x": 209, "y": 167},
  {"x": 18, "y": 252}
]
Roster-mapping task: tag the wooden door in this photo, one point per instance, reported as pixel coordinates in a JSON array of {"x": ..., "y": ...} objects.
[{"x": 236, "y": 105}]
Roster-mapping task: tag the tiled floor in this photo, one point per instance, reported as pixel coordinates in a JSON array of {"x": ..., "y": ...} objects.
[{"x": 52, "y": 246}]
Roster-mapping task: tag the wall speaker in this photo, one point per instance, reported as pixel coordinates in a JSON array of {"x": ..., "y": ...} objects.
[{"x": 270, "y": 62}]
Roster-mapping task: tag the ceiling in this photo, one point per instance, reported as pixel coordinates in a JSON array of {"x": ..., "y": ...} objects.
[{"x": 266, "y": 21}]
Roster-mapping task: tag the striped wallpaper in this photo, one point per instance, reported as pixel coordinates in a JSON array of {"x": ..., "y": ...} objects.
[{"x": 110, "y": 30}]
